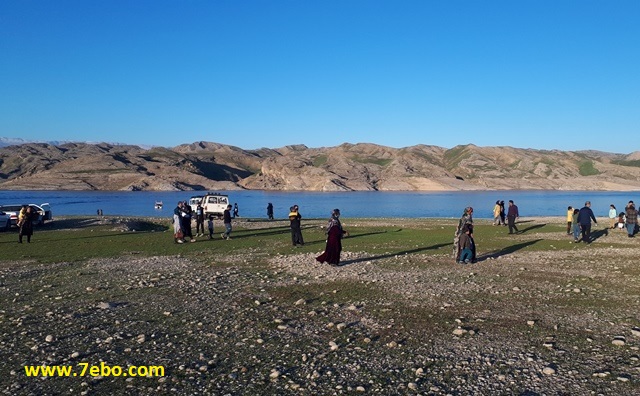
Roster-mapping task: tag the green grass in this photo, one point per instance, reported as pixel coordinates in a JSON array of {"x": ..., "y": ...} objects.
[
  {"x": 372, "y": 160},
  {"x": 319, "y": 160},
  {"x": 634, "y": 163},
  {"x": 454, "y": 156},
  {"x": 586, "y": 168},
  {"x": 432, "y": 237}
]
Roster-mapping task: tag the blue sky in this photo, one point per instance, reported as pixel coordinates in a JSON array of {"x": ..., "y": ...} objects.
[{"x": 532, "y": 74}]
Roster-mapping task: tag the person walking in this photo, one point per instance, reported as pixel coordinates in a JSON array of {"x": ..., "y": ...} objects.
[
  {"x": 270, "y": 211},
  {"x": 199, "y": 220},
  {"x": 512, "y": 216},
  {"x": 496, "y": 213},
  {"x": 613, "y": 216},
  {"x": 296, "y": 231},
  {"x": 502, "y": 214},
  {"x": 632, "y": 219},
  {"x": 569, "y": 219},
  {"x": 575, "y": 225},
  {"x": 25, "y": 223},
  {"x": 226, "y": 218},
  {"x": 585, "y": 215},
  {"x": 235, "y": 210},
  {"x": 335, "y": 233},
  {"x": 465, "y": 222}
]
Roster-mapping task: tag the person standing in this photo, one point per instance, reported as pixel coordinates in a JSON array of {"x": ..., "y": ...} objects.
[
  {"x": 186, "y": 221},
  {"x": 502, "y": 214},
  {"x": 199, "y": 220},
  {"x": 569, "y": 219},
  {"x": 210, "y": 226},
  {"x": 270, "y": 211},
  {"x": 467, "y": 246},
  {"x": 25, "y": 223},
  {"x": 512, "y": 216},
  {"x": 335, "y": 233},
  {"x": 632, "y": 219},
  {"x": 226, "y": 218},
  {"x": 465, "y": 222},
  {"x": 178, "y": 233},
  {"x": 235, "y": 210},
  {"x": 584, "y": 219},
  {"x": 496, "y": 213},
  {"x": 613, "y": 216},
  {"x": 296, "y": 231}
]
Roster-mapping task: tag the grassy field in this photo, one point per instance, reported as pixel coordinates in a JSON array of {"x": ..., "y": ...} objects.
[{"x": 253, "y": 315}]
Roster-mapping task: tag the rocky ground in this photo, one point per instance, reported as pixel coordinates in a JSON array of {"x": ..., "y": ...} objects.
[{"x": 528, "y": 323}]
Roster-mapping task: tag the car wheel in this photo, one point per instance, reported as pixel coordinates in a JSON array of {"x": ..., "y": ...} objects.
[{"x": 7, "y": 227}]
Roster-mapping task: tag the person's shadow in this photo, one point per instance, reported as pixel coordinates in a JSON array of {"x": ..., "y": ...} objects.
[
  {"x": 598, "y": 234},
  {"x": 508, "y": 250},
  {"x": 388, "y": 255},
  {"x": 533, "y": 227}
]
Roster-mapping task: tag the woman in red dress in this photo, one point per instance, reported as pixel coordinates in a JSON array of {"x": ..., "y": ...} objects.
[{"x": 335, "y": 233}]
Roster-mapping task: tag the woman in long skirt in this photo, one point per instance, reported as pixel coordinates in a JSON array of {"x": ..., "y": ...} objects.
[
  {"x": 335, "y": 233},
  {"x": 466, "y": 221}
]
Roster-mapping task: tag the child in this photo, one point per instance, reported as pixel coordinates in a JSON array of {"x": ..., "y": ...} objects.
[
  {"x": 569, "y": 219},
  {"x": 575, "y": 225},
  {"x": 210, "y": 225},
  {"x": 466, "y": 247},
  {"x": 613, "y": 215},
  {"x": 622, "y": 218}
]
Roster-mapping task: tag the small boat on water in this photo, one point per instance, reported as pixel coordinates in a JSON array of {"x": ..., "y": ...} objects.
[{"x": 158, "y": 205}]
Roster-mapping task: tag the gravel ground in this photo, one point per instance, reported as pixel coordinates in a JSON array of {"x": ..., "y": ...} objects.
[{"x": 526, "y": 323}]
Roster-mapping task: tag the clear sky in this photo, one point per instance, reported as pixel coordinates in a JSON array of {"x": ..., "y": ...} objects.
[{"x": 268, "y": 73}]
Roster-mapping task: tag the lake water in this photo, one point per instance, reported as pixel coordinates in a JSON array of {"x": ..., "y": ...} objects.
[{"x": 320, "y": 204}]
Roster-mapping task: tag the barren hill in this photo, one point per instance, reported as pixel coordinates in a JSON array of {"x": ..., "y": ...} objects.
[{"x": 348, "y": 167}]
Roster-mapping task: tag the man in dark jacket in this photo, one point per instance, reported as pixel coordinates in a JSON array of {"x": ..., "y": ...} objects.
[
  {"x": 226, "y": 218},
  {"x": 584, "y": 219},
  {"x": 296, "y": 231},
  {"x": 512, "y": 215}
]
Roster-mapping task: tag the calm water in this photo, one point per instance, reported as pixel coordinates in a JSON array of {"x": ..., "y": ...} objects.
[{"x": 316, "y": 204}]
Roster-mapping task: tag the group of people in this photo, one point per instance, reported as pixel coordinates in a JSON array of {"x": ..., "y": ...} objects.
[
  {"x": 511, "y": 215},
  {"x": 183, "y": 215},
  {"x": 579, "y": 221},
  {"x": 624, "y": 220}
]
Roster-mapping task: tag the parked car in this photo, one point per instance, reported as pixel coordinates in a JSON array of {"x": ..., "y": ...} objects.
[
  {"x": 43, "y": 211},
  {"x": 215, "y": 204},
  {"x": 5, "y": 221}
]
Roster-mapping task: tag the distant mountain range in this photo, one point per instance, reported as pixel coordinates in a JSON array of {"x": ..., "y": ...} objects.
[{"x": 348, "y": 167}]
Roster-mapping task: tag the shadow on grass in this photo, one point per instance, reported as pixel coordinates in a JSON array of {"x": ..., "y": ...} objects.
[
  {"x": 388, "y": 255},
  {"x": 508, "y": 250},
  {"x": 533, "y": 227},
  {"x": 351, "y": 236},
  {"x": 599, "y": 234}
]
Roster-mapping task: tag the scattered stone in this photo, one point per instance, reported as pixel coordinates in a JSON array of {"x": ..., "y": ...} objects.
[
  {"x": 459, "y": 331},
  {"x": 548, "y": 370},
  {"x": 105, "y": 305},
  {"x": 49, "y": 338},
  {"x": 619, "y": 341}
]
